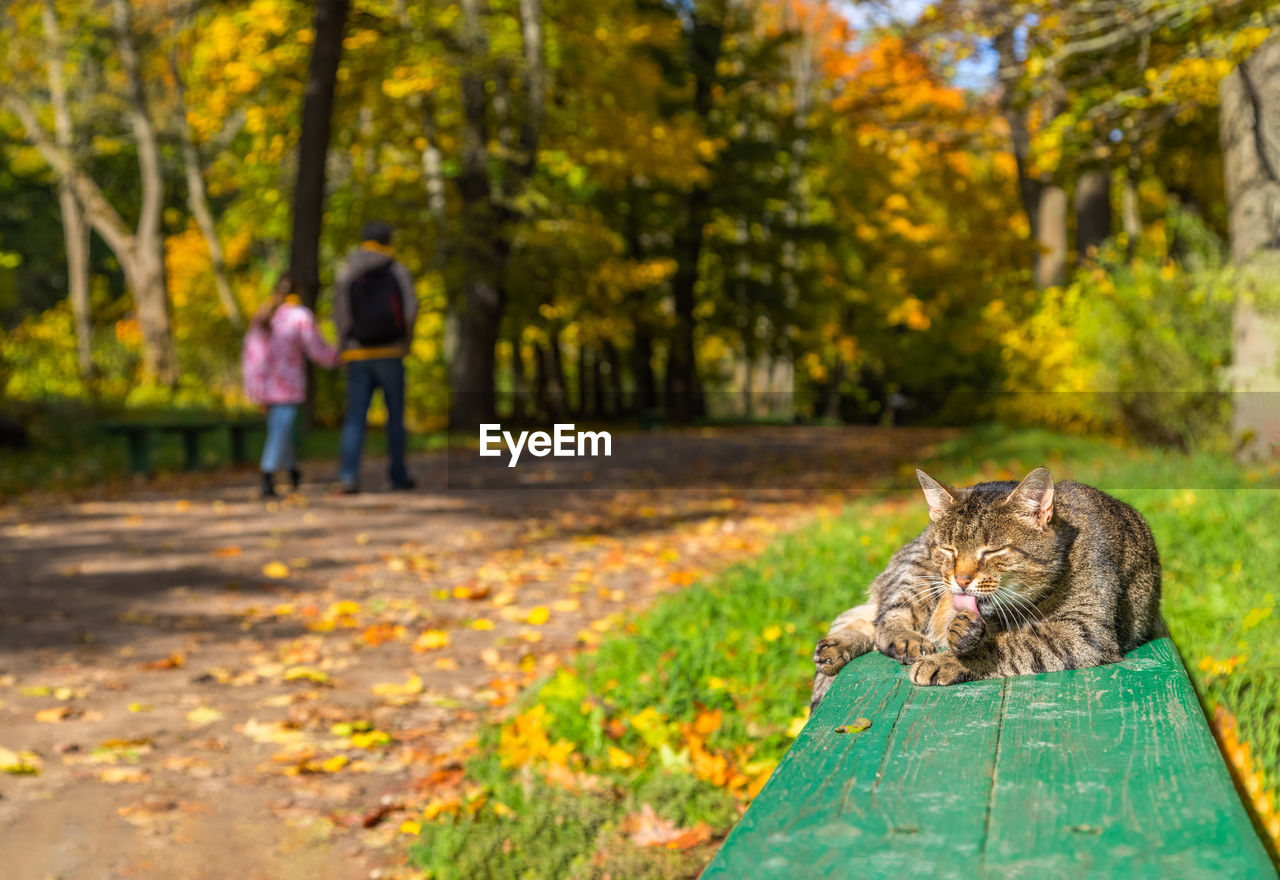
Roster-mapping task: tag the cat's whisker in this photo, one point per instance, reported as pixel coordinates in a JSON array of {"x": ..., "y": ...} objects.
[{"x": 1026, "y": 603}]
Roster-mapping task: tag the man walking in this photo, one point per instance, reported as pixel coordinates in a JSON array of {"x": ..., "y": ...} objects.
[{"x": 374, "y": 308}]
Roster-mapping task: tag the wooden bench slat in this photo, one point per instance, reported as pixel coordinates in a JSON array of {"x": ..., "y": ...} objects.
[{"x": 1110, "y": 771}]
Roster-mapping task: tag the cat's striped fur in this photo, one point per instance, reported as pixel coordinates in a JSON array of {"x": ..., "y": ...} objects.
[{"x": 1010, "y": 578}]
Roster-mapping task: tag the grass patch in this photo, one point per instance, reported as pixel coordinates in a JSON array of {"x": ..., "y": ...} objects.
[{"x": 689, "y": 707}]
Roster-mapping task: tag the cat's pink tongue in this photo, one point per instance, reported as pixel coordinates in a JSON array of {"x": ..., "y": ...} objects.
[{"x": 964, "y": 603}]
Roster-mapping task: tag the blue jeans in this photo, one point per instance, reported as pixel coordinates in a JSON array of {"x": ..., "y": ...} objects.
[
  {"x": 362, "y": 378},
  {"x": 277, "y": 451}
]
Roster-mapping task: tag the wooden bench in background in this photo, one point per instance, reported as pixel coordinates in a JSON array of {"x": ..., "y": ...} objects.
[
  {"x": 1104, "y": 772},
  {"x": 138, "y": 437}
]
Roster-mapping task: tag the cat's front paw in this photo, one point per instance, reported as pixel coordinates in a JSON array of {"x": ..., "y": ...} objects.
[
  {"x": 906, "y": 647},
  {"x": 966, "y": 632},
  {"x": 939, "y": 669},
  {"x": 833, "y": 652}
]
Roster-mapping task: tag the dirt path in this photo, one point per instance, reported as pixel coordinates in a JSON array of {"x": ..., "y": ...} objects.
[{"x": 205, "y": 686}]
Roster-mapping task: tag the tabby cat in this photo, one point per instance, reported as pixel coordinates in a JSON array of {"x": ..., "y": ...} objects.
[{"x": 1010, "y": 579}]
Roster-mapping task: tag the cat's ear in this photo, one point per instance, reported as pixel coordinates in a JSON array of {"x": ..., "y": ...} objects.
[
  {"x": 939, "y": 496},
  {"x": 1033, "y": 499}
]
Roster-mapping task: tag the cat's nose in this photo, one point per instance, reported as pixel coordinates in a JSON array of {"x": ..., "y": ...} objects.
[{"x": 963, "y": 580}]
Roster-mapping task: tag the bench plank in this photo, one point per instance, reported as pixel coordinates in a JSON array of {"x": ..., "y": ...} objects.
[{"x": 1097, "y": 772}]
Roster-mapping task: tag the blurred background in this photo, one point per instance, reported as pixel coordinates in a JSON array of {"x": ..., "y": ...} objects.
[{"x": 741, "y": 209}]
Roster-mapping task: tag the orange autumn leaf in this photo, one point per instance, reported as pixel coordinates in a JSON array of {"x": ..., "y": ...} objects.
[
  {"x": 225, "y": 552},
  {"x": 173, "y": 661},
  {"x": 708, "y": 722},
  {"x": 380, "y": 633},
  {"x": 646, "y": 828}
]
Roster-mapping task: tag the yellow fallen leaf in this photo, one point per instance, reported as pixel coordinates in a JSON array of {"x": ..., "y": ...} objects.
[
  {"x": 430, "y": 640},
  {"x": 334, "y": 764},
  {"x": 619, "y": 758},
  {"x": 139, "y": 707},
  {"x": 538, "y": 616},
  {"x": 126, "y": 775},
  {"x": 306, "y": 673},
  {"x": 53, "y": 716},
  {"x": 411, "y": 826},
  {"x": 566, "y": 605},
  {"x": 19, "y": 763},
  {"x": 276, "y": 570},
  {"x": 345, "y": 608},
  {"x": 482, "y": 623},
  {"x": 501, "y": 810},
  {"x": 446, "y": 663},
  {"x": 530, "y": 635},
  {"x": 391, "y": 689},
  {"x": 203, "y": 715},
  {"x": 225, "y": 552}
]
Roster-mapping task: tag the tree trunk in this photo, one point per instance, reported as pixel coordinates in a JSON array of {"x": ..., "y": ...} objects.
[
  {"x": 481, "y": 301},
  {"x": 1131, "y": 212},
  {"x": 611, "y": 379},
  {"x": 683, "y": 393},
  {"x": 520, "y": 381},
  {"x": 313, "y": 146},
  {"x": 1010, "y": 71},
  {"x": 75, "y": 232},
  {"x": 484, "y": 244},
  {"x": 1093, "y": 212},
  {"x": 1052, "y": 227},
  {"x": 646, "y": 393},
  {"x": 150, "y": 293},
  {"x": 1250, "y": 120},
  {"x": 553, "y": 386}
]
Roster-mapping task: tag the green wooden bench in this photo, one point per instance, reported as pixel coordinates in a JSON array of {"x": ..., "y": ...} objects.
[
  {"x": 1104, "y": 772},
  {"x": 138, "y": 437}
]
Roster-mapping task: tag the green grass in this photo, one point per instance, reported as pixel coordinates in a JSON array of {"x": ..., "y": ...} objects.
[{"x": 741, "y": 644}]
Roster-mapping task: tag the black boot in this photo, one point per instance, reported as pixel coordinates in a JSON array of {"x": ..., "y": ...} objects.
[
  {"x": 295, "y": 478},
  {"x": 269, "y": 486}
]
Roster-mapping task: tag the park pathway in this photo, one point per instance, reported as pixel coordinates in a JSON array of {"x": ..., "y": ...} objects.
[{"x": 201, "y": 686}]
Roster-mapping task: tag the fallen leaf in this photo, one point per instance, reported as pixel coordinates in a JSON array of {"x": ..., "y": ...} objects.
[
  {"x": 173, "y": 661},
  {"x": 19, "y": 763},
  {"x": 855, "y": 727},
  {"x": 225, "y": 552},
  {"x": 125, "y": 775},
  {"x": 430, "y": 640},
  {"x": 306, "y": 673},
  {"x": 53, "y": 716},
  {"x": 203, "y": 715},
  {"x": 646, "y": 828},
  {"x": 538, "y": 616},
  {"x": 276, "y": 570}
]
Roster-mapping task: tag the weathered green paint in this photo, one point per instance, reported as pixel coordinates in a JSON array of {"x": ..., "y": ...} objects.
[{"x": 1104, "y": 772}]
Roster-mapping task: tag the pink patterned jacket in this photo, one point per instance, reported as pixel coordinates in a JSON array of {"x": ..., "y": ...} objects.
[{"x": 274, "y": 361}]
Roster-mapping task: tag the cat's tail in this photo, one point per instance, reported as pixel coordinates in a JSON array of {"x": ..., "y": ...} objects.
[{"x": 852, "y": 634}]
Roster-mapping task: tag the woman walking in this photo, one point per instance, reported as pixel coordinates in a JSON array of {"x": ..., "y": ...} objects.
[{"x": 282, "y": 337}]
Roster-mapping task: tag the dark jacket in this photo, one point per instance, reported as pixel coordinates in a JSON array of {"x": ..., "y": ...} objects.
[{"x": 365, "y": 259}]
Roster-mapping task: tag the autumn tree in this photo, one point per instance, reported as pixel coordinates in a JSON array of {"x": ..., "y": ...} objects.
[
  {"x": 140, "y": 250},
  {"x": 1250, "y": 118}
]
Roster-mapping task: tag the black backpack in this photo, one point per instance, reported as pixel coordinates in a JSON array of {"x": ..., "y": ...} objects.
[{"x": 377, "y": 307}]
